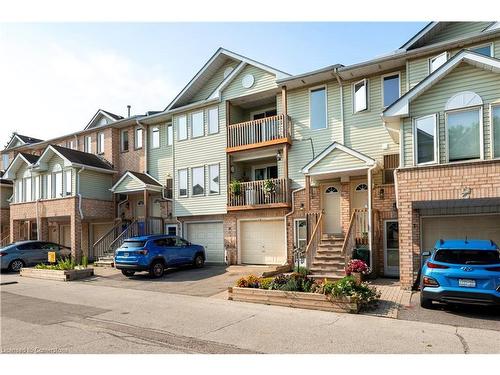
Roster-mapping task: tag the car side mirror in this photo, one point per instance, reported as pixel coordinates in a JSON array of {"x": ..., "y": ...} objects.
[{"x": 426, "y": 254}]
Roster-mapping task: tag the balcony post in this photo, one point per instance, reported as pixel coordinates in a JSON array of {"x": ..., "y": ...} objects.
[{"x": 308, "y": 193}]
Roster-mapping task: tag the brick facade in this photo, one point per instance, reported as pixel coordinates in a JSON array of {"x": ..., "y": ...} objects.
[{"x": 437, "y": 183}]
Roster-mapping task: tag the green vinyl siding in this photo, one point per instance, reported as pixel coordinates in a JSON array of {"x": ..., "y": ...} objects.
[
  {"x": 95, "y": 185},
  {"x": 455, "y": 30},
  {"x": 262, "y": 81},
  {"x": 335, "y": 161},
  {"x": 160, "y": 160},
  {"x": 129, "y": 184},
  {"x": 417, "y": 70},
  {"x": 213, "y": 82},
  {"x": 407, "y": 142},
  {"x": 463, "y": 78},
  {"x": 5, "y": 194}
]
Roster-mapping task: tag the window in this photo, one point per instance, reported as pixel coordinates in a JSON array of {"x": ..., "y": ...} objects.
[
  {"x": 391, "y": 162},
  {"x": 425, "y": 135},
  {"x": 266, "y": 173},
  {"x": 197, "y": 125},
  {"x": 437, "y": 61},
  {"x": 183, "y": 183},
  {"x": 47, "y": 193},
  {"x": 70, "y": 144},
  {"x": 138, "y": 138},
  {"x": 331, "y": 190},
  {"x": 183, "y": 131},
  {"x": 19, "y": 190},
  {"x": 464, "y": 141},
  {"x": 391, "y": 89},
  {"x": 198, "y": 180},
  {"x": 213, "y": 120},
  {"x": 301, "y": 233},
  {"x": 67, "y": 183},
  {"x": 495, "y": 117},
  {"x": 88, "y": 144},
  {"x": 213, "y": 177},
  {"x": 361, "y": 96},
  {"x": 58, "y": 184},
  {"x": 27, "y": 190},
  {"x": 170, "y": 135},
  {"x": 5, "y": 161},
  {"x": 37, "y": 188},
  {"x": 124, "y": 140},
  {"x": 317, "y": 110},
  {"x": 100, "y": 143},
  {"x": 171, "y": 230},
  {"x": 483, "y": 50},
  {"x": 155, "y": 137},
  {"x": 168, "y": 188},
  {"x": 361, "y": 187}
]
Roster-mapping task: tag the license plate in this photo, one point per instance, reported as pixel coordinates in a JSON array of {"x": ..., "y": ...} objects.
[
  {"x": 467, "y": 283},
  {"x": 125, "y": 254}
]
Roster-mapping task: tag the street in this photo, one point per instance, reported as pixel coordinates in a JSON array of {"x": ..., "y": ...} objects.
[{"x": 86, "y": 317}]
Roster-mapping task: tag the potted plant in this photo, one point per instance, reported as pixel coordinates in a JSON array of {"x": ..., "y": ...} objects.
[
  {"x": 235, "y": 187},
  {"x": 268, "y": 187},
  {"x": 357, "y": 268}
]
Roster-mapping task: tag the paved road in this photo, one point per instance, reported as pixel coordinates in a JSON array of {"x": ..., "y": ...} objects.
[{"x": 51, "y": 316}]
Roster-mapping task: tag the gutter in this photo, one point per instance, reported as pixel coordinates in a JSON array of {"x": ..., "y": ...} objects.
[{"x": 339, "y": 80}]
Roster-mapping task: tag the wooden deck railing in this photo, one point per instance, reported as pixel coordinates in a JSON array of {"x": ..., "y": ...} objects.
[
  {"x": 357, "y": 234},
  {"x": 263, "y": 130},
  {"x": 255, "y": 193},
  {"x": 315, "y": 225},
  {"x": 5, "y": 238}
]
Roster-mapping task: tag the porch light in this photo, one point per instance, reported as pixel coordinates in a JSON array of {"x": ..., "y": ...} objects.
[
  {"x": 278, "y": 155},
  {"x": 381, "y": 194}
]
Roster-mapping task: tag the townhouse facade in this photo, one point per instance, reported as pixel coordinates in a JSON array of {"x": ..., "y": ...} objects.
[{"x": 376, "y": 160}]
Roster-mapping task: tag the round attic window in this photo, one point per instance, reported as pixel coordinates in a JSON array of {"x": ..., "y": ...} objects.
[
  {"x": 247, "y": 81},
  {"x": 228, "y": 71}
]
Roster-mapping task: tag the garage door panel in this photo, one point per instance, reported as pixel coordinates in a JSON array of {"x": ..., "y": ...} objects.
[
  {"x": 485, "y": 227},
  {"x": 209, "y": 235},
  {"x": 262, "y": 242}
]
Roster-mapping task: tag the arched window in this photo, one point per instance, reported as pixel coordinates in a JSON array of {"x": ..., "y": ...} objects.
[
  {"x": 331, "y": 190},
  {"x": 362, "y": 187}
]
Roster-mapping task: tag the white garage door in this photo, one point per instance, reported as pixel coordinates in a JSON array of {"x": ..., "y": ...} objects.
[
  {"x": 262, "y": 242},
  {"x": 211, "y": 236},
  {"x": 485, "y": 227}
]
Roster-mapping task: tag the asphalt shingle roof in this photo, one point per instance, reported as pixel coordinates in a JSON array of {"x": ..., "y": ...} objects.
[
  {"x": 83, "y": 158},
  {"x": 27, "y": 139},
  {"x": 30, "y": 157},
  {"x": 148, "y": 180}
]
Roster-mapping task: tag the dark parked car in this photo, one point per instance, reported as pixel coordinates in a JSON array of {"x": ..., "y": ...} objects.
[
  {"x": 29, "y": 253},
  {"x": 155, "y": 253}
]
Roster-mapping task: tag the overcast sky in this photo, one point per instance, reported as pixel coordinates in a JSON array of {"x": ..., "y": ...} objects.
[{"x": 54, "y": 77}]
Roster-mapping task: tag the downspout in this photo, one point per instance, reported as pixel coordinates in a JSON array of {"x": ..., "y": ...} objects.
[
  {"x": 78, "y": 192},
  {"x": 38, "y": 235},
  {"x": 370, "y": 219},
  {"x": 290, "y": 213},
  {"x": 144, "y": 127},
  {"x": 339, "y": 80}
]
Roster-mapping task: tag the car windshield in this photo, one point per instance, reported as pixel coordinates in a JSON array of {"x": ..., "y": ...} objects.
[
  {"x": 468, "y": 256},
  {"x": 130, "y": 244}
]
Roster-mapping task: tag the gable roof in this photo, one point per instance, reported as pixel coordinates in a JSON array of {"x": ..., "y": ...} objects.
[
  {"x": 76, "y": 158},
  {"x": 145, "y": 181},
  {"x": 337, "y": 146},
  {"x": 400, "y": 108},
  {"x": 215, "y": 62},
  {"x": 24, "y": 139},
  {"x": 100, "y": 114},
  {"x": 16, "y": 163}
]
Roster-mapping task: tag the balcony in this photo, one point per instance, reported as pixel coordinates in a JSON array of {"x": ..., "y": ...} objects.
[
  {"x": 263, "y": 132},
  {"x": 271, "y": 193}
]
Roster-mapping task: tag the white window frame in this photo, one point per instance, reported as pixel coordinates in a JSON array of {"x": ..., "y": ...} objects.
[
  {"x": 204, "y": 181},
  {"x": 5, "y": 157},
  {"x": 170, "y": 135},
  {"x": 492, "y": 129},
  {"x": 202, "y": 124},
  {"x": 316, "y": 88},
  {"x": 155, "y": 130},
  {"x": 122, "y": 141},
  {"x": 296, "y": 231},
  {"x": 365, "y": 81},
  {"x": 398, "y": 73},
  {"x": 209, "y": 111},
  {"x": 37, "y": 188},
  {"x": 67, "y": 173},
  {"x": 100, "y": 142},
  {"x": 210, "y": 178},
  {"x": 87, "y": 145},
  {"x": 19, "y": 190},
  {"x": 138, "y": 138},
  {"x": 50, "y": 192},
  {"x": 60, "y": 193},
  {"x": 429, "y": 62},
  {"x": 483, "y": 45},
  {"x": 436, "y": 139},
  {"x": 184, "y": 170},
  {"x": 28, "y": 189},
  {"x": 481, "y": 133},
  {"x": 185, "y": 127}
]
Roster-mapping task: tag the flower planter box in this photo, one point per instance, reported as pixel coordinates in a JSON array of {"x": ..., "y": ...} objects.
[
  {"x": 310, "y": 301},
  {"x": 60, "y": 275}
]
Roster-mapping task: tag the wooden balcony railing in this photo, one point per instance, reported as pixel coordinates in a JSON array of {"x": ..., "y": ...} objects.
[
  {"x": 258, "y": 133},
  {"x": 265, "y": 193}
]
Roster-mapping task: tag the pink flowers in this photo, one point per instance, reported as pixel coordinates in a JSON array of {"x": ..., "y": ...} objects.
[{"x": 357, "y": 265}]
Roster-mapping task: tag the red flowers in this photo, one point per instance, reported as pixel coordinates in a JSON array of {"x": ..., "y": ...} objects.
[{"x": 357, "y": 265}]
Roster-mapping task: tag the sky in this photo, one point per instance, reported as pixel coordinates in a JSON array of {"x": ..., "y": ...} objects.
[{"x": 54, "y": 77}]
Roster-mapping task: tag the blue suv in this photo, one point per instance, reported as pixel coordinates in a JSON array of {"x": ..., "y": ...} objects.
[
  {"x": 461, "y": 271},
  {"x": 156, "y": 253}
]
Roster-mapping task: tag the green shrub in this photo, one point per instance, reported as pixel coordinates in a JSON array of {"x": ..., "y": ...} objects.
[
  {"x": 62, "y": 265},
  {"x": 302, "y": 270},
  {"x": 85, "y": 261},
  {"x": 250, "y": 281},
  {"x": 279, "y": 281},
  {"x": 265, "y": 282},
  {"x": 363, "y": 294}
]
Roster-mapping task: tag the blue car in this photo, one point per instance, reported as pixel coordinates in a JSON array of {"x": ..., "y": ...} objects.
[
  {"x": 21, "y": 254},
  {"x": 461, "y": 271},
  {"x": 156, "y": 253}
]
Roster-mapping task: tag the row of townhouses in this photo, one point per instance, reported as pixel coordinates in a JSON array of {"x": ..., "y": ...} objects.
[{"x": 377, "y": 160}]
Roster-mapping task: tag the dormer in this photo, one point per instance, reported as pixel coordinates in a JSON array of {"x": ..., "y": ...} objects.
[{"x": 102, "y": 118}]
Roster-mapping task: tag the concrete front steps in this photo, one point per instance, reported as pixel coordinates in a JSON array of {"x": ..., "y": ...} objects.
[
  {"x": 105, "y": 261},
  {"x": 329, "y": 262}
]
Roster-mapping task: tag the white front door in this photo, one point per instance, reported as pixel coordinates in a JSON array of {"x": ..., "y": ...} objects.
[
  {"x": 391, "y": 248},
  {"x": 331, "y": 206},
  {"x": 359, "y": 195}
]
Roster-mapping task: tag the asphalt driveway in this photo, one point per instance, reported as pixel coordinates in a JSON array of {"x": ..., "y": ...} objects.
[{"x": 208, "y": 281}]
